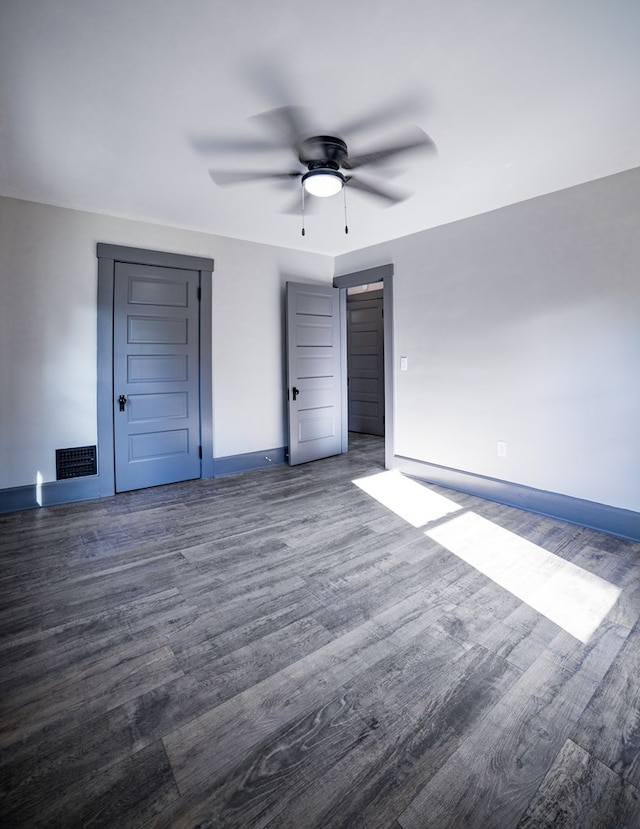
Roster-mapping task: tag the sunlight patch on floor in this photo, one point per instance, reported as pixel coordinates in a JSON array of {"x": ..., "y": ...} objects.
[
  {"x": 408, "y": 499},
  {"x": 568, "y": 595}
]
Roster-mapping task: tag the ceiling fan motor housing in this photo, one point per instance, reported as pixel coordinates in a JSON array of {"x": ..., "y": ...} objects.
[
  {"x": 323, "y": 155},
  {"x": 323, "y": 150}
]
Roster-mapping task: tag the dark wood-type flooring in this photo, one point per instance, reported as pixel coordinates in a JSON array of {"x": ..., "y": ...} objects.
[{"x": 278, "y": 650}]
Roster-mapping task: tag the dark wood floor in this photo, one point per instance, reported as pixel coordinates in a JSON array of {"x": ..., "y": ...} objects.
[{"x": 277, "y": 649}]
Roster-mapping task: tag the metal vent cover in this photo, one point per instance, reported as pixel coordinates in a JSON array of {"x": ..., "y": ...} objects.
[{"x": 76, "y": 462}]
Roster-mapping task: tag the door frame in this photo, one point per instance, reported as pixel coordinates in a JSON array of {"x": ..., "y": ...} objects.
[
  {"x": 384, "y": 274},
  {"x": 108, "y": 256}
]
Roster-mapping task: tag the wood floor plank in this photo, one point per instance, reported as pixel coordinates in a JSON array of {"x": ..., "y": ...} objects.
[
  {"x": 588, "y": 662},
  {"x": 627, "y": 608},
  {"x": 225, "y": 734},
  {"x": 125, "y": 795},
  {"x": 491, "y": 778},
  {"x": 421, "y": 701},
  {"x": 481, "y": 612},
  {"x": 260, "y": 789},
  {"x": 352, "y": 601},
  {"x": 48, "y": 764},
  {"x": 581, "y": 791},
  {"x": 521, "y": 636},
  {"x": 277, "y": 649},
  {"x": 609, "y": 729},
  {"x": 254, "y": 626},
  {"x": 118, "y": 679},
  {"x": 258, "y": 660}
]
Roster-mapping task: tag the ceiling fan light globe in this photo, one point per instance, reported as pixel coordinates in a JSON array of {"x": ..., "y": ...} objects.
[{"x": 323, "y": 183}]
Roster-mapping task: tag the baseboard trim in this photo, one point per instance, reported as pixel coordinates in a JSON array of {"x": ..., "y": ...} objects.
[
  {"x": 33, "y": 496},
  {"x": 50, "y": 493},
  {"x": 247, "y": 462},
  {"x": 602, "y": 517},
  {"x": 612, "y": 520}
]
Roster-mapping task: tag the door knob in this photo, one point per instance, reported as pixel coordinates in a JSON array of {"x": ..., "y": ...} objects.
[
  {"x": 122, "y": 401},
  {"x": 295, "y": 392}
]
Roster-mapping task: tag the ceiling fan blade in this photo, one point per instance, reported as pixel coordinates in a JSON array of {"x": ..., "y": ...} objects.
[
  {"x": 419, "y": 140},
  {"x": 399, "y": 110},
  {"x": 390, "y": 196},
  {"x": 289, "y": 122},
  {"x": 223, "y": 178}
]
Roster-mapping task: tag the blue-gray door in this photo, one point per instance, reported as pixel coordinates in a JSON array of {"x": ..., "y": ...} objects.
[
  {"x": 314, "y": 372},
  {"x": 155, "y": 365},
  {"x": 365, "y": 362}
]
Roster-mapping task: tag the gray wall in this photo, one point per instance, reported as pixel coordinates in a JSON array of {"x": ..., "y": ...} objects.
[
  {"x": 48, "y": 311},
  {"x": 523, "y": 325},
  {"x": 520, "y": 325}
]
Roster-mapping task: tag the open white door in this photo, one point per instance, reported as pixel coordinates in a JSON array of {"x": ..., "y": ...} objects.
[{"x": 315, "y": 358}]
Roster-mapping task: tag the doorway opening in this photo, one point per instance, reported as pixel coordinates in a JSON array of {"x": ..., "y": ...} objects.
[
  {"x": 382, "y": 278},
  {"x": 365, "y": 359}
]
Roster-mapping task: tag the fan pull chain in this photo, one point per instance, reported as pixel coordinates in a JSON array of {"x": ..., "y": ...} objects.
[
  {"x": 346, "y": 226},
  {"x": 302, "y": 188}
]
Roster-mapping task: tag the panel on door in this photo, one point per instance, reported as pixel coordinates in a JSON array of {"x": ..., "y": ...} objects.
[
  {"x": 365, "y": 362},
  {"x": 314, "y": 376},
  {"x": 156, "y": 371}
]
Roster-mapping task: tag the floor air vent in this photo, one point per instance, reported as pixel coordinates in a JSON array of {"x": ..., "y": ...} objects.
[{"x": 76, "y": 462}]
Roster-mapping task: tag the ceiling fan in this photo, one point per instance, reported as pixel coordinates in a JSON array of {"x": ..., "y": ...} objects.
[{"x": 325, "y": 165}]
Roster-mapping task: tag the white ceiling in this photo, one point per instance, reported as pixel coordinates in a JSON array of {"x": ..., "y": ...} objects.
[{"x": 103, "y": 105}]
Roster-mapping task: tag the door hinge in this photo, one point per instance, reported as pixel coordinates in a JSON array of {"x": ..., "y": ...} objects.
[
  {"x": 200, "y": 452},
  {"x": 199, "y": 294}
]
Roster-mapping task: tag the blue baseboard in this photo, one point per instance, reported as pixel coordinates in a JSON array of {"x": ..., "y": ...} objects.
[
  {"x": 231, "y": 464},
  {"x": 612, "y": 520},
  {"x": 50, "y": 493},
  {"x": 85, "y": 489}
]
